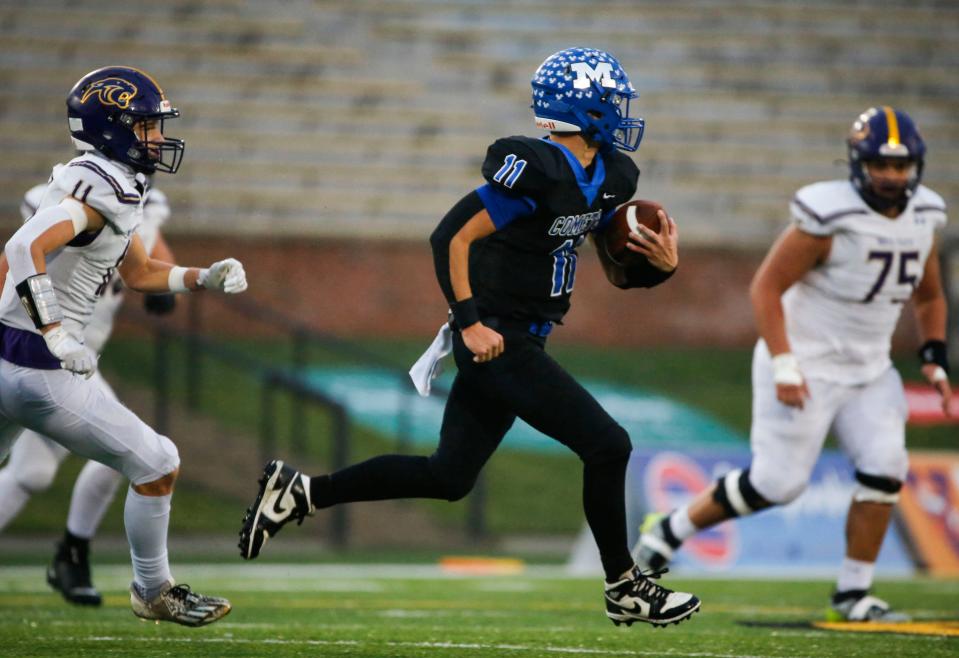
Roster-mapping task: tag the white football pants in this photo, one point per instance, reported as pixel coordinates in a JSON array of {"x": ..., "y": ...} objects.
[
  {"x": 33, "y": 464},
  {"x": 84, "y": 418},
  {"x": 868, "y": 421}
]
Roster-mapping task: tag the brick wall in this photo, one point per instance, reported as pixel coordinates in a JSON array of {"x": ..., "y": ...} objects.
[{"x": 375, "y": 288}]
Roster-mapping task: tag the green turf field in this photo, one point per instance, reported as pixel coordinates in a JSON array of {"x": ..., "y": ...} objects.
[
  {"x": 714, "y": 381},
  {"x": 334, "y": 610}
]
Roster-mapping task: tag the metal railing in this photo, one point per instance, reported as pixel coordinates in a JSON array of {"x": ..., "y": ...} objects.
[{"x": 273, "y": 380}]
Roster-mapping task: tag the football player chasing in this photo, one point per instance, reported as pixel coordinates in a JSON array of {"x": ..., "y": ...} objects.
[
  {"x": 505, "y": 258},
  {"x": 827, "y": 299},
  {"x": 34, "y": 459},
  {"x": 57, "y": 265}
]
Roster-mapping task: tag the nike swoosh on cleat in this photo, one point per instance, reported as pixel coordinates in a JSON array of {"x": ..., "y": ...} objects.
[{"x": 277, "y": 507}]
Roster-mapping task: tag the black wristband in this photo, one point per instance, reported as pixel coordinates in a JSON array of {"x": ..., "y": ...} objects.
[
  {"x": 645, "y": 275},
  {"x": 465, "y": 313},
  {"x": 934, "y": 351}
]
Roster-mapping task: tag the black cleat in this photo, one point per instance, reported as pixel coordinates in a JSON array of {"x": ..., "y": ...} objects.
[
  {"x": 69, "y": 574},
  {"x": 638, "y": 598},
  {"x": 284, "y": 496}
]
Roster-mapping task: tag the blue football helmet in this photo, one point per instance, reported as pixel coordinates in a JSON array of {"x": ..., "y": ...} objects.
[
  {"x": 584, "y": 90},
  {"x": 884, "y": 132},
  {"x": 104, "y": 107}
]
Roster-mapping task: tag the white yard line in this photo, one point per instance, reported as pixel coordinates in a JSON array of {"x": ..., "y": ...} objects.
[{"x": 515, "y": 648}]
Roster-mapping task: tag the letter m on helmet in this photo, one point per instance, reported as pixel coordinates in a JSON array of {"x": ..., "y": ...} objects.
[{"x": 586, "y": 73}]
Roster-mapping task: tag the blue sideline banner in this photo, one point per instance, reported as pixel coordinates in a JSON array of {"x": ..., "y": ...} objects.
[{"x": 807, "y": 536}]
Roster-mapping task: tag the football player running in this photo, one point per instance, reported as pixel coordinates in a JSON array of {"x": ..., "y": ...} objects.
[
  {"x": 57, "y": 265},
  {"x": 827, "y": 298},
  {"x": 34, "y": 459},
  {"x": 505, "y": 258}
]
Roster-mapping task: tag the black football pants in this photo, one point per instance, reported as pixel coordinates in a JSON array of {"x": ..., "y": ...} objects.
[{"x": 485, "y": 399}]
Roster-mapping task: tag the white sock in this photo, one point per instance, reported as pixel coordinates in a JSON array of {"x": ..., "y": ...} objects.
[
  {"x": 855, "y": 574},
  {"x": 681, "y": 525},
  {"x": 92, "y": 494},
  {"x": 12, "y": 496},
  {"x": 147, "y": 519}
]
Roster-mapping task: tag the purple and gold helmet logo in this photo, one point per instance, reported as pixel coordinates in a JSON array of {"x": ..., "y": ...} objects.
[
  {"x": 111, "y": 91},
  {"x": 860, "y": 128}
]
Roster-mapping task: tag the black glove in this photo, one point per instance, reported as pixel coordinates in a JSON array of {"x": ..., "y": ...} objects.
[{"x": 159, "y": 304}]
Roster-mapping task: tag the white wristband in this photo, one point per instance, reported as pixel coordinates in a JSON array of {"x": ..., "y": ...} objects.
[
  {"x": 176, "y": 279},
  {"x": 939, "y": 375},
  {"x": 786, "y": 370}
]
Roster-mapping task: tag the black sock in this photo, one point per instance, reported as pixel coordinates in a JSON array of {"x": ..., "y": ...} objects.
[
  {"x": 320, "y": 490},
  {"x": 386, "y": 477},
  {"x": 73, "y": 548}
]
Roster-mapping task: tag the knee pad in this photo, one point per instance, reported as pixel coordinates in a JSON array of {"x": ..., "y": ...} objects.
[
  {"x": 171, "y": 453},
  {"x": 737, "y": 495},
  {"x": 876, "y": 489},
  {"x": 161, "y": 460}
]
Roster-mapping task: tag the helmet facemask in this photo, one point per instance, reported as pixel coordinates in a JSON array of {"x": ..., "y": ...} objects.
[{"x": 157, "y": 155}]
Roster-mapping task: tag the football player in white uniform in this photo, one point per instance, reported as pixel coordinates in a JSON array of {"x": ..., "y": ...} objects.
[
  {"x": 827, "y": 298},
  {"x": 57, "y": 265},
  {"x": 34, "y": 459}
]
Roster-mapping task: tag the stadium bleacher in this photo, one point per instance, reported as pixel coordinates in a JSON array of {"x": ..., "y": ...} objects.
[{"x": 369, "y": 118}]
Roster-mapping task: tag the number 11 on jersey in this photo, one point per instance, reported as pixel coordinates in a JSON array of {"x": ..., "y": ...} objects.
[{"x": 564, "y": 268}]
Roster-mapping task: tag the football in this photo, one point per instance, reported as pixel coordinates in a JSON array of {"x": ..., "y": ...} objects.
[{"x": 627, "y": 219}]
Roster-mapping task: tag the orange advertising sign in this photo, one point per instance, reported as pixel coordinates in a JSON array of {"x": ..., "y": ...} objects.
[{"x": 929, "y": 505}]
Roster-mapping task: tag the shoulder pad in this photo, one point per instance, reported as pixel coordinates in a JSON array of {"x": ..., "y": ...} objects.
[
  {"x": 821, "y": 208},
  {"x": 100, "y": 184},
  {"x": 521, "y": 166},
  {"x": 622, "y": 175},
  {"x": 930, "y": 205},
  {"x": 156, "y": 209},
  {"x": 31, "y": 201},
  {"x": 155, "y": 213}
]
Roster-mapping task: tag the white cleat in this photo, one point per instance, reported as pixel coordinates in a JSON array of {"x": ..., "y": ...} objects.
[
  {"x": 638, "y": 598},
  {"x": 284, "y": 496}
]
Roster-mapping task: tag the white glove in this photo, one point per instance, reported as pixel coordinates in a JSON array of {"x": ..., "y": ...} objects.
[
  {"x": 226, "y": 275},
  {"x": 72, "y": 354}
]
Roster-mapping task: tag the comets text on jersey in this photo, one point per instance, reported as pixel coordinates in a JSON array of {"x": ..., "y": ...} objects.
[{"x": 575, "y": 224}]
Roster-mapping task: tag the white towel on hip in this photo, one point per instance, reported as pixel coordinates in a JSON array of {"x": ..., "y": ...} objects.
[{"x": 428, "y": 367}]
